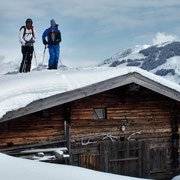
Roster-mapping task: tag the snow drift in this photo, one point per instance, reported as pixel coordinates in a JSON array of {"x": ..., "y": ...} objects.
[{"x": 21, "y": 169}]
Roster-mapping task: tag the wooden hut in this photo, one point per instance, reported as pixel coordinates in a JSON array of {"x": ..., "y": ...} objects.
[{"x": 126, "y": 125}]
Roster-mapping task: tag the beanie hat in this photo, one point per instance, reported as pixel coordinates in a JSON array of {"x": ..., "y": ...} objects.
[
  {"x": 29, "y": 20},
  {"x": 52, "y": 21}
]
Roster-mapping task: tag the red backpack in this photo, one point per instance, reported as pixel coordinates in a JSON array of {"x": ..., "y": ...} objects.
[{"x": 56, "y": 31}]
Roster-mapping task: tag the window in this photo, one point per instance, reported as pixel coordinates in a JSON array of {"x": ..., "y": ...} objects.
[{"x": 99, "y": 114}]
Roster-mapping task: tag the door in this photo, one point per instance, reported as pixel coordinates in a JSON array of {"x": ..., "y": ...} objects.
[{"x": 123, "y": 158}]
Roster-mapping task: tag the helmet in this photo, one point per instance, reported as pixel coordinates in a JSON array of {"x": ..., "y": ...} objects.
[{"x": 29, "y": 20}]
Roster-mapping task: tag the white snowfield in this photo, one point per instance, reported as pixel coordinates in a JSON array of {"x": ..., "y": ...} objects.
[
  {"x": 176, "y": 178},
  {"x": 22, "y": 169},
  {"x": 19, "y": 90}
]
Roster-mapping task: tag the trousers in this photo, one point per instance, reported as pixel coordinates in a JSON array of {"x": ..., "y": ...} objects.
[
  {"x": 27, "y": 52},
  {"x": 54, "y": 56}
]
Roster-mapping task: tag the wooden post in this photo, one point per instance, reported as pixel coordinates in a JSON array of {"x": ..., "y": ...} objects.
[
  {"x": 175, "y": 137},
  {"x": 67, "y": 113},
  {"x": 69, "y": 142},
  {"x": 104, "y": 154},
  {"x": 145, "y": 173}
]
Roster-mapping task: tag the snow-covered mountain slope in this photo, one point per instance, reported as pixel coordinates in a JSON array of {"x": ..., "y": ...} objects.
[
  {"x": 21, "y": 169},
  {"x": 161, "y": 59},
  {"x": 19, "y": 90}
]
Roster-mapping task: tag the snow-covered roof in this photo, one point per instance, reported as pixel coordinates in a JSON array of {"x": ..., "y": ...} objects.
[{"x": 23, "y": 94}]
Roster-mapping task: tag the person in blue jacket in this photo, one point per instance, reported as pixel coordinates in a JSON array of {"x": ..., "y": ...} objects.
[{"x": 52, "y": 37}]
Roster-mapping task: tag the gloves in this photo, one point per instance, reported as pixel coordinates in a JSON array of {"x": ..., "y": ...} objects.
[
  {"x": 45, "y": 42},
  {"x": 58, "y": 41},
  {"x": 30, "y": 42}
]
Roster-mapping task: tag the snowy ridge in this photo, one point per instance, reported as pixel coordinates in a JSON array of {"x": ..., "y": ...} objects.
[
  {"x": 161, "y": 59},
  {"x": 131, "y": 53},
  {"x": 19, "y": 90}
]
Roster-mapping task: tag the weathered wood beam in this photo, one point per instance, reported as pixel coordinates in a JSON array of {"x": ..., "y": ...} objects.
[
  {"x": 69, "y": 142},
  {"x": 67, "y": 117},
  {"x": 11, "y": 149}
]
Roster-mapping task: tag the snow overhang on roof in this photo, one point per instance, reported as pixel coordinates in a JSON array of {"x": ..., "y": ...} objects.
[{"x": 92, "y": 89}]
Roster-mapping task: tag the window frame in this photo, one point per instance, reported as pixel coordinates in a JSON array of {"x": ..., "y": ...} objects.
[{"x": 97, "y": 117}]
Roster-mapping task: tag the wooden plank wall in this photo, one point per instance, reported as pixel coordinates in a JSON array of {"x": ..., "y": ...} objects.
[
  {"x": 40, "y": 127},
  {"x": 145, "y": 111},
  {"x": 122, "y": 157}
]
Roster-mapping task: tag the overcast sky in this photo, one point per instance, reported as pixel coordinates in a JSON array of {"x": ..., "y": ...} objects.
[{"x": 92, "y": 30}]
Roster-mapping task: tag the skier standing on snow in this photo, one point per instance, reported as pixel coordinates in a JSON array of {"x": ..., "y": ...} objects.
[
  {"x": 53, "y": 40},
  {"x": 27, "y": 37}
]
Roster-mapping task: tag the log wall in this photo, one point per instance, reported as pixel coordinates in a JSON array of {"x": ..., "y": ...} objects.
[
  {"x": 36, "y": 128},
  {"x": 144, "y": 111}
]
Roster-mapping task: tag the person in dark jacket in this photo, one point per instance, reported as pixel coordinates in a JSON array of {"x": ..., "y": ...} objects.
[
  {"x": 27, "y": 37},
  {"x": 52, "y": 37}
]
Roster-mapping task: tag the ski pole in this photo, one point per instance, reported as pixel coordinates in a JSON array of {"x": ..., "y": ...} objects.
[
  {"x": 60, "y": 62},
  {"x": 35, "y": 58},
  {"x": 43, "y": 55}
]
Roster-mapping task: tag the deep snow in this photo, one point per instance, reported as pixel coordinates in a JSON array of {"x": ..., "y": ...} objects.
[
  {"x": 176, "y": 178},
  {"x": 12, "y": 168},
  {"x": 19, "y": 90}
]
